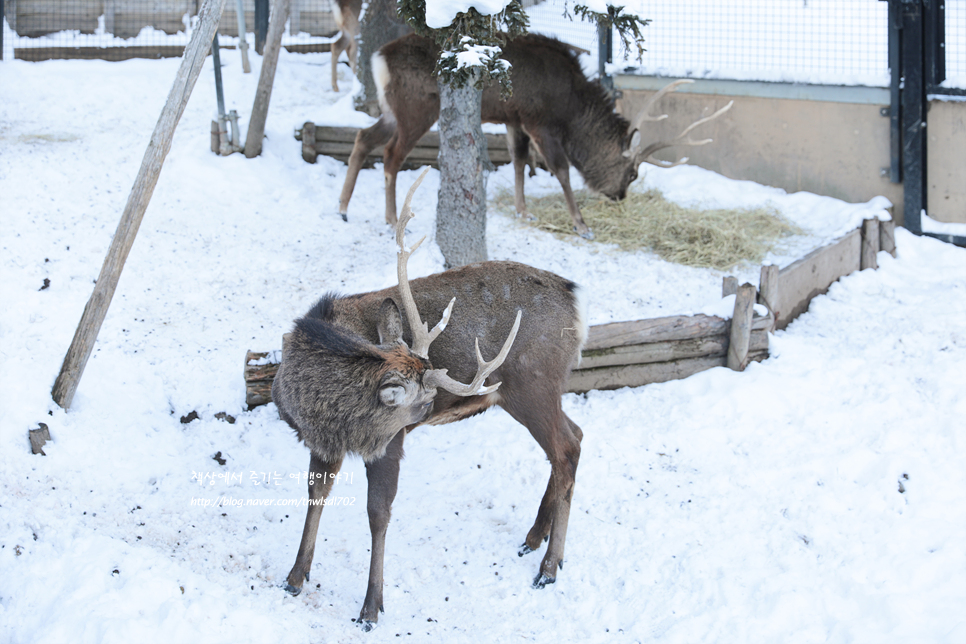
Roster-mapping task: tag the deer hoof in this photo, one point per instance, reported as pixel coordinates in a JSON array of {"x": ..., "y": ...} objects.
[
  {"x": 367, "y": 625},
  {"x": 541, "y": 580},
  {"x": 292, "y": 590},
  {"x": 524, "y": 550},
  {"x": 344, "y": 215},
  {"x": 587, "y": 234}
]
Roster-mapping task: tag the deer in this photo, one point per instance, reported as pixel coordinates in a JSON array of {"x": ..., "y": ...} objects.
[
  {"x": 346, "y": 14},
  {"x": 359, "y": 372},
  {"x": 569, "y": 119}
]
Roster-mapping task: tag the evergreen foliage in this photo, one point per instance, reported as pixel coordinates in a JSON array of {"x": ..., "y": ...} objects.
[{"x": 628, "y": 25}]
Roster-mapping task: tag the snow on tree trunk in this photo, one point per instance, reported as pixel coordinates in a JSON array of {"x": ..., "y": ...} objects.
[{"x": 463, "y": 164}]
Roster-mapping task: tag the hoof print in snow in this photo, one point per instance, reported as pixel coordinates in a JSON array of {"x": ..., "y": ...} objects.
[
  {"x": 225, "y": 417},
  {"x": 190, "y": 417}
]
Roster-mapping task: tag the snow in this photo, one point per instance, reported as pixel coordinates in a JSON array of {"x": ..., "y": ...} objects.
[
  {"x": 441, "y": 13},
  {"x": 818, "y": 496}
]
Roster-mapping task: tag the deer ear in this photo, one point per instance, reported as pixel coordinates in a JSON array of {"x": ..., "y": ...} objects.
[
  {"x": 392, "y": 395},
  {"x": 390, "y": 323}
]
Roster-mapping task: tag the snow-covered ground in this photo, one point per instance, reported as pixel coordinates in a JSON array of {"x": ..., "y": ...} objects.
[{"x": 819, "y": 496}]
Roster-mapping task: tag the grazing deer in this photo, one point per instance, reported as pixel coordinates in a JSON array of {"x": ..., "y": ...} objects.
[
  {"x": 346, "y": 14},
  {"x": 356, "y": 376},
  {"x": 569, "y": 119}
]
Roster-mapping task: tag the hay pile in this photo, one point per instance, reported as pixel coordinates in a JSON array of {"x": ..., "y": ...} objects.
[{"x": 717, "y": 239}]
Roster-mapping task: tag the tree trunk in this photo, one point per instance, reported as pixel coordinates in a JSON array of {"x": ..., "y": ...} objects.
[
  {"x": 463, "y": 164},
  {"x": 380, "y": 24}
]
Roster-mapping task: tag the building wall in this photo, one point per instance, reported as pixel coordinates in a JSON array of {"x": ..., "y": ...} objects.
[{"x": 831, "y": 141}]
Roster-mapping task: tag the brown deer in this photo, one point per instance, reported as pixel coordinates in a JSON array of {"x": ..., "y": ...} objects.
[
  {"x": 570, "y": 119},
  {"x": 346, "y": 14},
  {"x": 356, "y": 376}
]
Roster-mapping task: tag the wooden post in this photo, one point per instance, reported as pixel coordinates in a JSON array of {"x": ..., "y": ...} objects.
[
  {"x": 90, "y": 323},
  {"x": 729, "y": 285},
  {"x": 870, "y": 244},
  {"x": 273, "y": 42},
  {"x": 741, "y": 328},
  {"x": 768, "y": 288},
  {"x": 309, "y": 152},
  {"x": 887, "y": 236}
]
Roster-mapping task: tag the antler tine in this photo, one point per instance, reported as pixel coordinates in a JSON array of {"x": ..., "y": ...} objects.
[
  {"x": 438, "y": 377},
  {"x": 681, "y": 139},
  {"x": 422, "y": 338},
  {"x": 645, "y": 113}
]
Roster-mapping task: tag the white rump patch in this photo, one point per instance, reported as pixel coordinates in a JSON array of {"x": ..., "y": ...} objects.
[{"x": 380, "y": 74}]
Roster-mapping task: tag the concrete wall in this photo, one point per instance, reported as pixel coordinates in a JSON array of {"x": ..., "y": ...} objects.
[{"x": 827, "y": 140}]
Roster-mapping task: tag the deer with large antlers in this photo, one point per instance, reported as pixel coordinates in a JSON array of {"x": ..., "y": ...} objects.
[
  {"x": 357, "y": 375},
  {"x": 569, "y": 119}
]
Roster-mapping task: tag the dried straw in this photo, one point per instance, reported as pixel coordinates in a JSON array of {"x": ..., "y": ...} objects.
[{"x": 717, "y": 239}]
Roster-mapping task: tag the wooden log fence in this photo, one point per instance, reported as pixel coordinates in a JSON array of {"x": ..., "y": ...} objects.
[
  {"x": 641, "y": 352},
  {"x": 337, "y": 142}
]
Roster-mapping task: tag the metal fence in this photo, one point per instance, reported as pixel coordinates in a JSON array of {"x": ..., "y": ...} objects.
[
  {"x": 154, "y": 24},
  {"x": 838, "y": 42}
]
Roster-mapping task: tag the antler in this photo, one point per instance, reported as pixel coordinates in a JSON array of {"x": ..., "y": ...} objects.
[
  {"x": 645, "y": 155},
  {"x": 422, "y": 337}
]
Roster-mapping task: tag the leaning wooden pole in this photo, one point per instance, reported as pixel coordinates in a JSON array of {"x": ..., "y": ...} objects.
[
  {"x": 127, "y": 229},
  {"x": 273, "y": 42}
]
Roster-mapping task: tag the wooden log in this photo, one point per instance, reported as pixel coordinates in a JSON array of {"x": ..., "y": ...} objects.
[
  {"x": 711, "y": 346},
  {"x": 813, "y": 274},
  {"x": 260, "y": 370},
  {"x": 38, "y": 438},
  {"x": 263, "y": 95},
  {"x": 90, "y": 324},
  {"x": 113, "y": 54},
  {"x": 870, "y": 244},
  {"x": 740, "y": 335},
  {"x": 671, "y": 328},
  {"x": 729, "y": 285},
  {"x": 309, "y": 153},
  {"x": 887, "y": 236},
  {"x": 603, "y": 378}
]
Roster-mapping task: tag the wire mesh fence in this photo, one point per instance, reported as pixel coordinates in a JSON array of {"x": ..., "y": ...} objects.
[
  {"x": 841, "y": 42},
  {"x": 155, "y": 24}
]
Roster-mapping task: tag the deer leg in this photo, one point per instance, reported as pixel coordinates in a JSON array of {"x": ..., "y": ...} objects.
[
  {"x": 320, "y": 484},
  {"x": 395, "y": 153},
  {"x": 383, "y": 477},
  {"x": 553, "y": 153},
  {"x": 560, "y": 439},
  {"x": 366, "y": 141},
  {"x": 338, "y": 47},
  {"x": 519, "y": 144}
]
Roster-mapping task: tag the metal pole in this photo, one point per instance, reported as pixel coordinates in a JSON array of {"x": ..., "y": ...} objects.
[
  {"x": 1, "y": 29},
  {"x": 913, "y": 116},
  {"x": 261, "y": 25}
]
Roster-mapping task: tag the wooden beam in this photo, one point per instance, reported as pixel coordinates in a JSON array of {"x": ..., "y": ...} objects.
[
  {"x": 94, "y": 313},
  {"x": 263, "y": 95},
  {"x": 870, "y": 244},
  {"x": 740, "y": 334},
  {"x": 813, "y": 274}
]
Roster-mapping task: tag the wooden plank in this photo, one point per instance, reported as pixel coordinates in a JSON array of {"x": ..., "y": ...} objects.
[
  {"x": 870, "y": 244},
  {"x": 263, "y": 94},
  {"x": 740, "y": 333},
  {"x": 813, "y": 274},
  {"x": 35, "y": 18},
  {"x": 768, "y": 288},
  {"x": 583, "y": 380},
  {"x": 712, "y": 346},
  {"x": 96, "y": 310},
  {"x": 38, "y": 54},
  {"x": 887, "y": 236}
]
